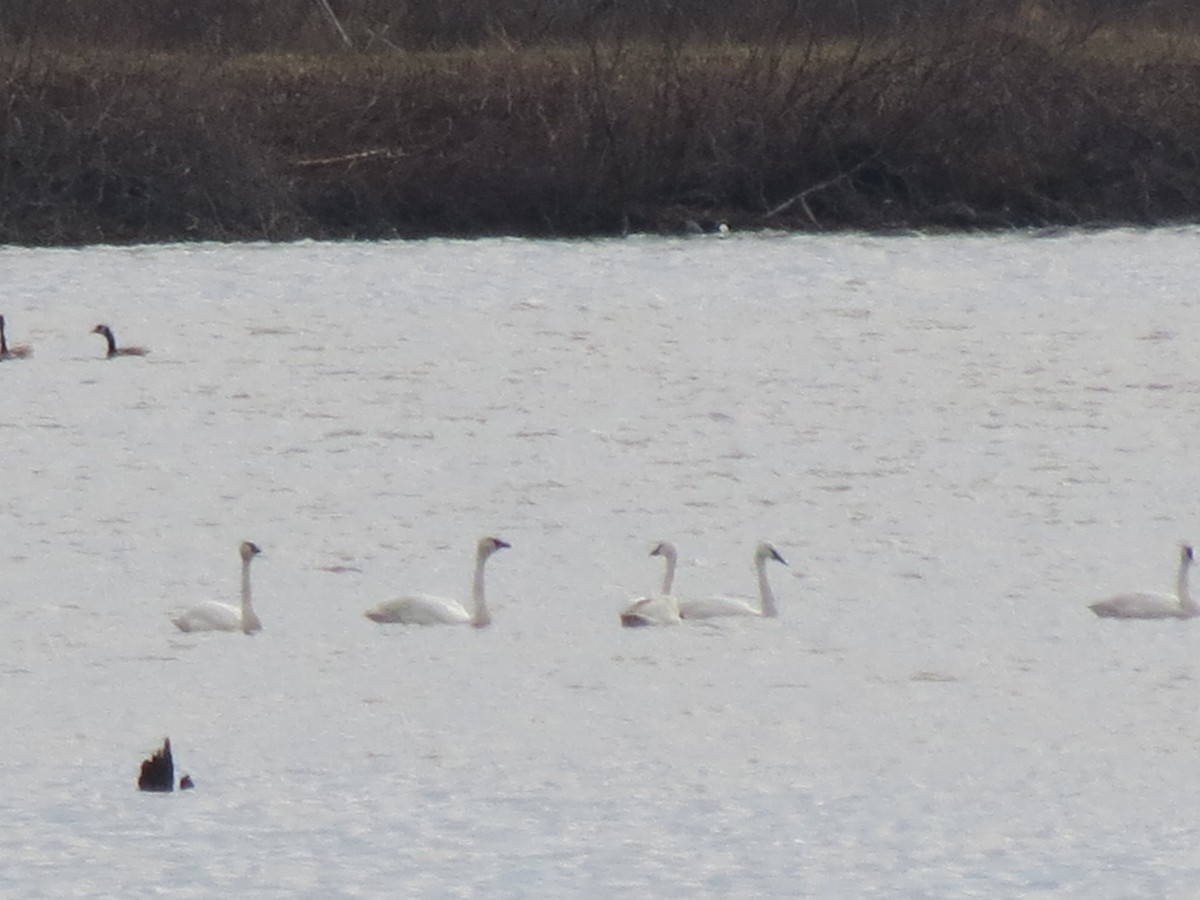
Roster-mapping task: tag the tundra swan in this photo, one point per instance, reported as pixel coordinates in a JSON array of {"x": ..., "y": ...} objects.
[
  {"x": 421, "y": 609},
  {"x": 158, "y": 772},
  {"x": 1144, "y": 605},
  {"x": 113, "y": 349},
  {"x": 17, "y": 351},
  {"x": 732, "y": 606},
  {"x": 656, "y": 609},
  {"x": 215, "y": 616}
]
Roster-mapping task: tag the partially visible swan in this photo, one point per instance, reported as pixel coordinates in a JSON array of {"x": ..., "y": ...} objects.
[
  {"x": 113, "y": 349},
  {"x": 732, "y": 606},
  {"x": 158, "y": 772},
  {"x": 17, "y": 351},
  {"x": 656, "y": 609},
  {"x": 422, "y": 609},
  {"x": 215, "y": 616},
  {"x": 1144, "y": 605}
]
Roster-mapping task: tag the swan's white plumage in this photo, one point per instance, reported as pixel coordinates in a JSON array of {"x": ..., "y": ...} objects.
[
  {"x": 715, "y": 607},
  {"x": 1148, "y": 605},
  {"x": 422, "y": 609},
  {"x": 210, "y": 616},
  {"x": 216, "y": 616},
  {"x": 656, "y": 609}
]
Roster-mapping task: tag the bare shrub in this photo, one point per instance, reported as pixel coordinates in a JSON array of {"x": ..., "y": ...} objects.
[
  {"x": 595, "y": 117},
  {"x": 125, "y": 154}
]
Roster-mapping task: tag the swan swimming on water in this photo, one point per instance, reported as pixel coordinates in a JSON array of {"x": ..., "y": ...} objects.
[
  {"x": 17, "y": 351},
  {"x": 732, "y": 606},
  {"x": 113, "y": 349},
  {"x": 422, "y": 609},
  {"x": 656, "y": 609},
  {"x": 1145, "y": 605},
  {"x": 215, "y": 616}
]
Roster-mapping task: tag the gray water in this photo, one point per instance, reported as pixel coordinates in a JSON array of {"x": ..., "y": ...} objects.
[{"x": 957, "y": 443}]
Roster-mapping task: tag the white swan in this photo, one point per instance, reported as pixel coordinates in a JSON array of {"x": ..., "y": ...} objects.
[
  {"x": 1143, "y": 605},
  {"x": 732, "y": 606},
  {"x": 656, "y": 609},
  {"x": 420, "y": 609},
  {"x": 215, "y": 616}
]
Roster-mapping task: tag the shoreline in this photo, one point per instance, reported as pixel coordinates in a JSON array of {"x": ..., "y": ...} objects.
[{"x": 992, "y": 132}]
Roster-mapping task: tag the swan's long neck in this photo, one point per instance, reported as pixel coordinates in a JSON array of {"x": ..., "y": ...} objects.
[
  {"x": 768, "y": 610},
  {"x": 3, "y": 340},
  {"x": 112, "y": 341},
  {"x": 1186, "y": 603},
  {"x": 480, "y": 617},
  {"x": 250, "y": 621},
  {"x": 669, "y": 575}
]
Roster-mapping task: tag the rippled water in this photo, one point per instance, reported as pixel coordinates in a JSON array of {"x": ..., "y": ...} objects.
[{"x": 957, "y": 443}]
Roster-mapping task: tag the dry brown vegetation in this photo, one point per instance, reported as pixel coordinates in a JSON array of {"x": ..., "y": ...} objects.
[{"x": 151, "y": 121}]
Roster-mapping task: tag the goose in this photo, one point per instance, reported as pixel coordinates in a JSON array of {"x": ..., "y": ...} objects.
[
  {"x": 17, "y": 351},
  {"x": 158, "y": 772},
  {"x": 216, "y": 616},
  {"x": 1145, "y": 605},
  {"x": 113, "y": 349},
  {"x": 732, "y": 606},
  {"x": 656, "y": 609},
  {"x": 422, "y": 609}
]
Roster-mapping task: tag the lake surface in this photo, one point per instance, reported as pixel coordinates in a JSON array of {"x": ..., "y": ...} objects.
[{"x": 956, "y": 442}]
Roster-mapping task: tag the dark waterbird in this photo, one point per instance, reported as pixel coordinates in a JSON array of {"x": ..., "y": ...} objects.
[
  {"x": 17, "y": 351},
  {"x": 158, "y": 772},
  {"x": 113, "y": 350}
]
